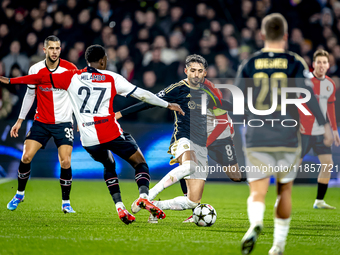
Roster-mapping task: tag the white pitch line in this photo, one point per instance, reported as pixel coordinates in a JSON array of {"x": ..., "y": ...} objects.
[{"x": 4, "y": 180}]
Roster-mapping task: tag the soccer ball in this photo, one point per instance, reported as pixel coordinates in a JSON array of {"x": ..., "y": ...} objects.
[{"x": 204, "y": 215}]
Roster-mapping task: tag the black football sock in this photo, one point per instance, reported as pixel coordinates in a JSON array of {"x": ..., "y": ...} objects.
[
  {"x": 65, "y": 182},
  {"x": 23, "y": 175},
  {"x": 322, "y": 189},
  {"x": 184, "y": 187},
  {"x": 142, "y": 178},
  {"x": 111, "y": 180}
]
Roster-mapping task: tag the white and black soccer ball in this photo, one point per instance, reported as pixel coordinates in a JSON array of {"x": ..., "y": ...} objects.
[{"x": 204, "y": 215}]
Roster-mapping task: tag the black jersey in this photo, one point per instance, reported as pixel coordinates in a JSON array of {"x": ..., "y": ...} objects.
[
  {"x": 265, "y": 70},
  {"x": 193, "y": 125}
]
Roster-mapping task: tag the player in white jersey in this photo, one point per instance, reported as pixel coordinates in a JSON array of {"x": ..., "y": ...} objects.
[
  {"x": 53, "y": 118},
  {"x": 92, "y": 91},
  {"x": 312, "y": 132}
]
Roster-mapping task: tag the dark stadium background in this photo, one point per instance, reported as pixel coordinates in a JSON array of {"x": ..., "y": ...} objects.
[{"x": 147, "y": 42}]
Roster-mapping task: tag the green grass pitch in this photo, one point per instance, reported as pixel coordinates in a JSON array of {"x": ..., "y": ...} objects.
[{"x": 38, "y": 226}]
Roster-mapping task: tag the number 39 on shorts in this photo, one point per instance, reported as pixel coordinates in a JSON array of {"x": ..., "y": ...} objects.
[{"x": 69, "y": 133}]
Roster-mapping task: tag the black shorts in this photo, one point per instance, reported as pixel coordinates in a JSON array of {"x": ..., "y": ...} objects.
[
  {"x": 62, "y": 133},
  {"x": 315, "y": 142},
  {"x": 124, "y": 146},
  {"x": 223, "y": 152}
]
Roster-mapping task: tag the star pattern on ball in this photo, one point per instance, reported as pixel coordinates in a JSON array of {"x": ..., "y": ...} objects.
[
  {"x": 202, "y": 206},
  {"x": 201, "y": 216},
  {"x": 212, "y": 213}
]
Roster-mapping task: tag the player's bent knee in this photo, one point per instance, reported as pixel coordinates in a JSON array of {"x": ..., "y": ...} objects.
[
  {"x": 65, "y": 163},
  {"x": 26, "y": 158}
]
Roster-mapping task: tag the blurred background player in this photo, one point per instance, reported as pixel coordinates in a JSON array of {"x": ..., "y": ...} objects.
[
  {"x": 53, "y": 118},
  {"x": 92, "y": 92},
  {"x": 273, "y": 144},
  {"x": 312, "y": 134},
  {"x": 188, "y": 142}
]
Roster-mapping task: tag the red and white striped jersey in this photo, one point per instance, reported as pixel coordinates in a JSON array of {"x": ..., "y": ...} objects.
[
  {"x": 53, "y": 105},
  {"x": 92, "y": 93},
  {"x": 324, "y": 90}
]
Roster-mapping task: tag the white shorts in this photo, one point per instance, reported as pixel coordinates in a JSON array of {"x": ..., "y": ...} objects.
[
  {"x": 282, "y": 165},
  {"x": 182, "y": 145}
]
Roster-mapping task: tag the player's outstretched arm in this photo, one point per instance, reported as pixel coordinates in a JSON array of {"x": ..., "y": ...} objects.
[
  {"x": 151, "y": 100},
  {"x": 28, "y": 79},
  {"x": 133, "y": 108}
]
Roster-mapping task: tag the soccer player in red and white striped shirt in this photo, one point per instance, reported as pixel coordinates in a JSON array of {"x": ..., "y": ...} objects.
[
  {"x": 312, "y": 134},
  {"x": 53, "y": 118},
  {"x": 92, "y": 91}
]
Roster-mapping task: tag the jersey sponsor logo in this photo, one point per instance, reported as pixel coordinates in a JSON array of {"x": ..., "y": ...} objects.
[
  {"x": 188, "y": 95},
  {"x": 92, "y": 77},
  {"x": 49, "y": 89},
  {"x": 86, "y": 124}
]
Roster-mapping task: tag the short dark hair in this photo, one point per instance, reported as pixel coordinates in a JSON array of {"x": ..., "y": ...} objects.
[
  {"x": 320, "y": 53},
  {"x": 274, "y": 26},
  {"x": 94, "y": 53},
  {"x": 51, "y": 38},
  {"x": 196, "y": 59}
]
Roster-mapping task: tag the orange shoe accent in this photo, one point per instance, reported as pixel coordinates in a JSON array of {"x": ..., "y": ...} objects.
[
  {"x": 125, "y": 216},
  {"x": 154, "y": 210}
]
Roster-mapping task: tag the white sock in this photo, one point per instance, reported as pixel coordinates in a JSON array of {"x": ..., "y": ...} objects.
[
  {"x": 144, "y": 195},
  {"x": 188, "y": 167},
  {"x": 66, "y": 202},
  {"x": 177, "y": 204},
  {"x": 120, "y": 205},
  {"x": 281, "y": 229},
  {"x": 21, "y": 193},
  {"x": 255, "y": 211}
]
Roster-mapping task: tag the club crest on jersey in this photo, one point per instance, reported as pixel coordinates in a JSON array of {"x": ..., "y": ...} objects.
[
  {"x": 191, "y": 105},
  {"x": 328, "y": 88},
  {"x": 92, "y": 77}
]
